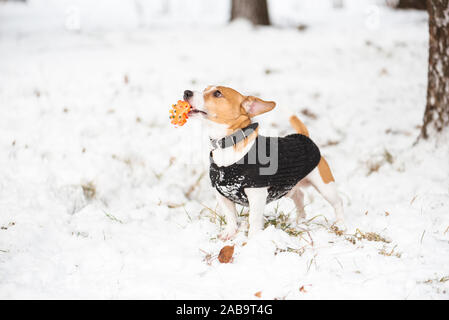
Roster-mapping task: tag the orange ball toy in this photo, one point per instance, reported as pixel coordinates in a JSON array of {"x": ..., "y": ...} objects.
[{"x": 179, "y": 113}]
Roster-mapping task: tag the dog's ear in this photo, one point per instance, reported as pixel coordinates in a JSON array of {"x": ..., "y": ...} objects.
[{"x": 255, "y": 106}]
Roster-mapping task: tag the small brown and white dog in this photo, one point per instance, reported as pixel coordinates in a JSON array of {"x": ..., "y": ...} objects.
[{"x": 226, "y": 112}]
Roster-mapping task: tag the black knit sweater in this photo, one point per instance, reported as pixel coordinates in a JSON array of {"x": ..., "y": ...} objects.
[{"x": 297, "y": 156}]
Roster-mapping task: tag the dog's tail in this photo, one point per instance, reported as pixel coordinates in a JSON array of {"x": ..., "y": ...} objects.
[
  {"x": 323, "y": 167},
  {"x": 299, "y": 126}
]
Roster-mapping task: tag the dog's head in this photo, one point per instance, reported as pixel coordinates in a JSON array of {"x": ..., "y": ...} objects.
[{"x": 226, "y": 106}]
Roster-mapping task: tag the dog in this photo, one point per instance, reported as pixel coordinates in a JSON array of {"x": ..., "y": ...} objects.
[{"x": 237, "y": 163}]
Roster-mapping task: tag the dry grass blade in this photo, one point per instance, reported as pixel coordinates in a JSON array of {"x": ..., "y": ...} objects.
[
  {"x": 174, "y": 205},
  {"x": 110, "y": 216},
  {"x": 439, "y": 280},
  {"x": 215, "y": 214},
  {"x": 370, "y": 236},
  {"x": 391, "y": 253},
  {"x": 282, "y": 222},
  {"x": 195, "y": 185},
  {"x": 299, "y": 251},
  {"x": 208, "y": 257},
  {"x": 359, "y": 235}
]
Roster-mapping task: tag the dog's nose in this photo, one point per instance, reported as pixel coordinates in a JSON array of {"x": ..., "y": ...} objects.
[{"x": 187, "y": 94}]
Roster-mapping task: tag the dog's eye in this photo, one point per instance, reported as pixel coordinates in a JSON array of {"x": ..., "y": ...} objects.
[{"x": 217, "y": 94}]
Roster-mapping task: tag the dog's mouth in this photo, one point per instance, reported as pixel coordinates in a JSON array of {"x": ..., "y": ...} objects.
[{"x": 194, "y": 111}]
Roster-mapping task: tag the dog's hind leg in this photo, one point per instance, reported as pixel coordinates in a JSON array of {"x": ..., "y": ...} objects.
[
  {"x": 297, "y": 196},
  {"x": 327, "y": 188}
]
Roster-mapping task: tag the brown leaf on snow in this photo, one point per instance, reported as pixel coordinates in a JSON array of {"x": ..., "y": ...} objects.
[
  {"x": 309, "y": 113},
  {"x": 303, "y": 289},
  {"x": 225, "y": 255},
  {"x": 258, "y": 294}
]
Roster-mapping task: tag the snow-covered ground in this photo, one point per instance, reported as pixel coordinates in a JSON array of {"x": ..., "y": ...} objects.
[{"x": 101, "y": 197}]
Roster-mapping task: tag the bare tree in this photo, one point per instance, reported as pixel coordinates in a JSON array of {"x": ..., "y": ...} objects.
[
  {"x": 436, "y": 115},
  {"x": 255, "y": 11}
]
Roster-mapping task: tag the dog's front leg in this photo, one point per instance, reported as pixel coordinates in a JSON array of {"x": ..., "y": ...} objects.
[
  {"x": 227, "y": 208},
  {"x": 257, "y": 198}
]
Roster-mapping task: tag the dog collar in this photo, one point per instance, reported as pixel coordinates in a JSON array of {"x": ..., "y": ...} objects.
[{"x": 234, "y": 138}]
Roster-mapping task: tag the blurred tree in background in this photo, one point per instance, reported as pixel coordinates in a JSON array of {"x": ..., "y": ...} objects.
[
  {"x": 436, "y": 115},
  {"x": 255, "y": 11},
  {"x": 412, "y": 4}
]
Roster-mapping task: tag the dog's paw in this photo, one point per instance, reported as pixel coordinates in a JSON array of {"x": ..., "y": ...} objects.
[{"x": 228, "y": 233}]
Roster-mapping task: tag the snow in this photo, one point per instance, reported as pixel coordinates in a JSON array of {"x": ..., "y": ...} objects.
[{"x": 95, "y": 183}]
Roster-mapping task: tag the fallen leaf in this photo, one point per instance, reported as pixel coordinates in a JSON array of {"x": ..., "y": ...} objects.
[
  {"x": 225, "y": 255},
  {"x": 303, "y": 288},
  {"x": 309, "y": 113},
  {"x": 387, "y": 213},
  {"x": 258, "y": 294}
]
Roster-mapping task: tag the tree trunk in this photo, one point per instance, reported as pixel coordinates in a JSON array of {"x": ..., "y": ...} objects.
[
  {"x": 412, "y": 4},
  {"x": 255, "y": 11},
  {"x": 436, "y": 116}
]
